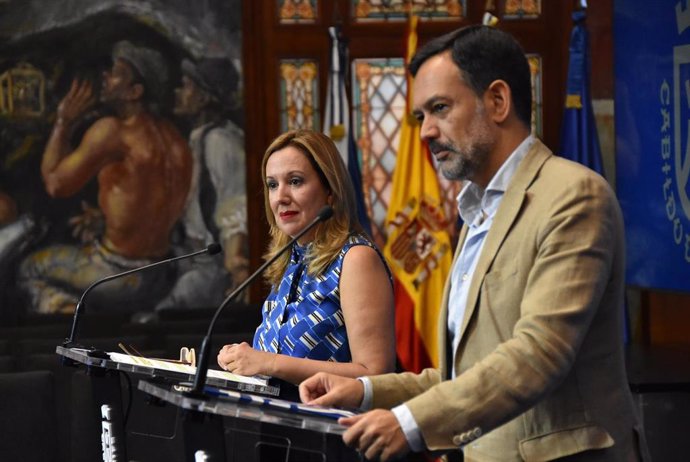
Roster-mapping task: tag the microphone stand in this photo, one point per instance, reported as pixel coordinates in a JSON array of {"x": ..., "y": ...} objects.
[
  {"x": 211, "y": 249},
  {"x": 197, "y": 390}
]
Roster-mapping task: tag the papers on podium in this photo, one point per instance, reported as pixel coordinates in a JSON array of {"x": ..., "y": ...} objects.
[
  {"x": 173, "y": 370},
  {"x": 173, "y": 366},
  {"x": 279, "y": 404}
]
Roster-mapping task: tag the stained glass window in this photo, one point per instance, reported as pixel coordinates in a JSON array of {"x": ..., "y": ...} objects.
[
  {"x": 297, "y": 11},
  {"x": 378, "y": 95},
  {"x": 398, "y": 10},
  {"x": 379, "y": 90},
  {"x": 522, "y": 9},
  {"x": 299, "y": 94}
]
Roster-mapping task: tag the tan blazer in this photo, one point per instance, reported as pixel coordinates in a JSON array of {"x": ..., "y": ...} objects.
[{"x": 540, "y": 362}]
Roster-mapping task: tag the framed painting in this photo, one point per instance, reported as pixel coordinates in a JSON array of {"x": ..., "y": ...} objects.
[{"x": 121, "y": 144}]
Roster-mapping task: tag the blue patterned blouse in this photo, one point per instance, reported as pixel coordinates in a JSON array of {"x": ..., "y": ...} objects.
[{"x": 303, "y": 317}]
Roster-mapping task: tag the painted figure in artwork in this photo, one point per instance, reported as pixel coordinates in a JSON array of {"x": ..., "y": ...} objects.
[
  {"x": 143, "y": 166},
  {"x": 216, "y": 209}
]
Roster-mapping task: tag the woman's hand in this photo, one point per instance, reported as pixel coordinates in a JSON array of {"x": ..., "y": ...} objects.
[{"x": 242, "y": 359}]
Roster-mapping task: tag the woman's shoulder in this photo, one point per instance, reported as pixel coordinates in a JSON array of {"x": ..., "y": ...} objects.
[
  {"x": 364, "y": 260},
  {"x": 357, "y": 239},
  {"x": 361, "y": 250}
]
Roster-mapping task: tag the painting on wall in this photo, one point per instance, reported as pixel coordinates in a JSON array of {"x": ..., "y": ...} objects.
[{"x": 121, "y": 144}]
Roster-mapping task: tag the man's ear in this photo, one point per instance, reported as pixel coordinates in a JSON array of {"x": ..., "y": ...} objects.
[
  {"x": 136, "y": 92},
  {"x": 498, "y": 99},
  {"x": 206, "y": 98}
]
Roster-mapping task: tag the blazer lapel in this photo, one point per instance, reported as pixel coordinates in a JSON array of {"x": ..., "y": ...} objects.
[
  {"x": 443, "y": 318},
  {"x": 505, "y": 216}
]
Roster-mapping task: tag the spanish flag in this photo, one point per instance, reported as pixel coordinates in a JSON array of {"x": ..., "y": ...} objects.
[{"x": 418, "y": 245}]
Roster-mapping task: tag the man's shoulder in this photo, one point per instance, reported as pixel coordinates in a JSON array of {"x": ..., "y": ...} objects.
[
  {"x": 226, "y": 129},
  {"x": 567, "y": 171},
  {"x": 106, "y": 123},
  {"x": 564, "y": 181},
  {"x": 224, "y": 134},
  {"x": 554, "y": 168},
  {"x": 146, "y": 124},
  {"x": 104, "y": 130}
]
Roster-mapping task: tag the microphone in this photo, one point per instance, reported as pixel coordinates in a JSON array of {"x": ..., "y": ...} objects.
[
  {"x": 211, "y": 249},
  {"x": 202, "y": 365}
]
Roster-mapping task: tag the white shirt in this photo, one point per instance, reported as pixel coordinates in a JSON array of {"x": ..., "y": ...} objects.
[{"x": 225, "y": 158}]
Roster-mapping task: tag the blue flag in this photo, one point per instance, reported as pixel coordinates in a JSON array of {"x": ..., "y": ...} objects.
[
  {"x": 579, "y": 139},
  {"x": 337, "y": 122}
]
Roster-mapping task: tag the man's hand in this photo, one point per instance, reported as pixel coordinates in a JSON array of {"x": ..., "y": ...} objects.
[
  {"x": 325, "y": 389},
  {"x": 236, "y": 263},
  {"x": 88, "y": 226},
  {"x": 238, "y": 268},
  {"x": 76, "y": 102},
  {"x": 376, "y": 434}
]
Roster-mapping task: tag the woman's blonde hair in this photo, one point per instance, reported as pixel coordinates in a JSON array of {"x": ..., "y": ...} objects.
[{"x": 331, "y": 234}]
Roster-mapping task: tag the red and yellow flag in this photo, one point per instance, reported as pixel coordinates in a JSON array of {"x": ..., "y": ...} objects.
[{"x": 418, "y": 246}]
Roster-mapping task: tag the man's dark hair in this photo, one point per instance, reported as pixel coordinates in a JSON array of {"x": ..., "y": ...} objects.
[
  {"x": 149, "y": 97},
  {"x": 149, "y": 69},
  {"x": 484, "y": 54}
]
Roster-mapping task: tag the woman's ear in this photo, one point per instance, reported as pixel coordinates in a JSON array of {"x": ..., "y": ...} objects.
[{"x": 499, "y": 100}]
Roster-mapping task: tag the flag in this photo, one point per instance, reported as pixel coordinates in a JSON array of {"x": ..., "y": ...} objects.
[
  {"x": 579, "y": 139},
  {"x": 336, "y": 122},
  {"x": 418, "y": 245}
]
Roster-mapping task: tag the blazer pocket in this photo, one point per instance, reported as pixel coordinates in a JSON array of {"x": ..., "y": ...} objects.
[
  {"x": 565, "y": 443},
  {"x": 502, "y": 284},
  {"x": 499, "y": 300}
]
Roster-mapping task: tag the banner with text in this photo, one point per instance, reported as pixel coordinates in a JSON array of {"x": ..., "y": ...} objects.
[{"x": 652, "y": 107}]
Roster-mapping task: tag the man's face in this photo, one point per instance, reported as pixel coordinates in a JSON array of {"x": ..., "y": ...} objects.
[
  {"x": 453, "y": 120},
  {"x": 117, "y": 82},
  {"x": 189, "y": 98}
]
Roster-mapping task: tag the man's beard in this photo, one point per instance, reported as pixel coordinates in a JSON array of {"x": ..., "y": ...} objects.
[{"x": 461, "y": 163}]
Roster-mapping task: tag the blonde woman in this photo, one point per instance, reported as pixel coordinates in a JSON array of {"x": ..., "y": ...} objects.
[{"x": 331, "y": 304}]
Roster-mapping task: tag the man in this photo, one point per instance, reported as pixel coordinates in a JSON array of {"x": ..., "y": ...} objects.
[
  {"x": 143, "y": 166},
  {"x": 216, "y": 209},
  {"x": 532, "y": 362}
]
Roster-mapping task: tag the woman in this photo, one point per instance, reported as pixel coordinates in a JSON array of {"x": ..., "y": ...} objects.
[{"x": 331, "y": 304}]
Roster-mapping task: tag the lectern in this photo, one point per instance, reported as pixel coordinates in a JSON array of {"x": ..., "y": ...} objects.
[
  {"x": 100, "y": 409},
  {"x": 251, "y": 428},
  {"x": 242, "y": 421}
]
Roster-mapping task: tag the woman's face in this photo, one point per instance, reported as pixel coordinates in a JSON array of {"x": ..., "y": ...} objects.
[{"x": 295, "y": 192}]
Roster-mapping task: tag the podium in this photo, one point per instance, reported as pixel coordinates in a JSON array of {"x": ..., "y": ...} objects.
[
  {"x": 161, "y": 422},
  {"x": 164, "y": 370},
  {"x": 659, "y": 378},
  {"x": 217, "y": 429}
]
